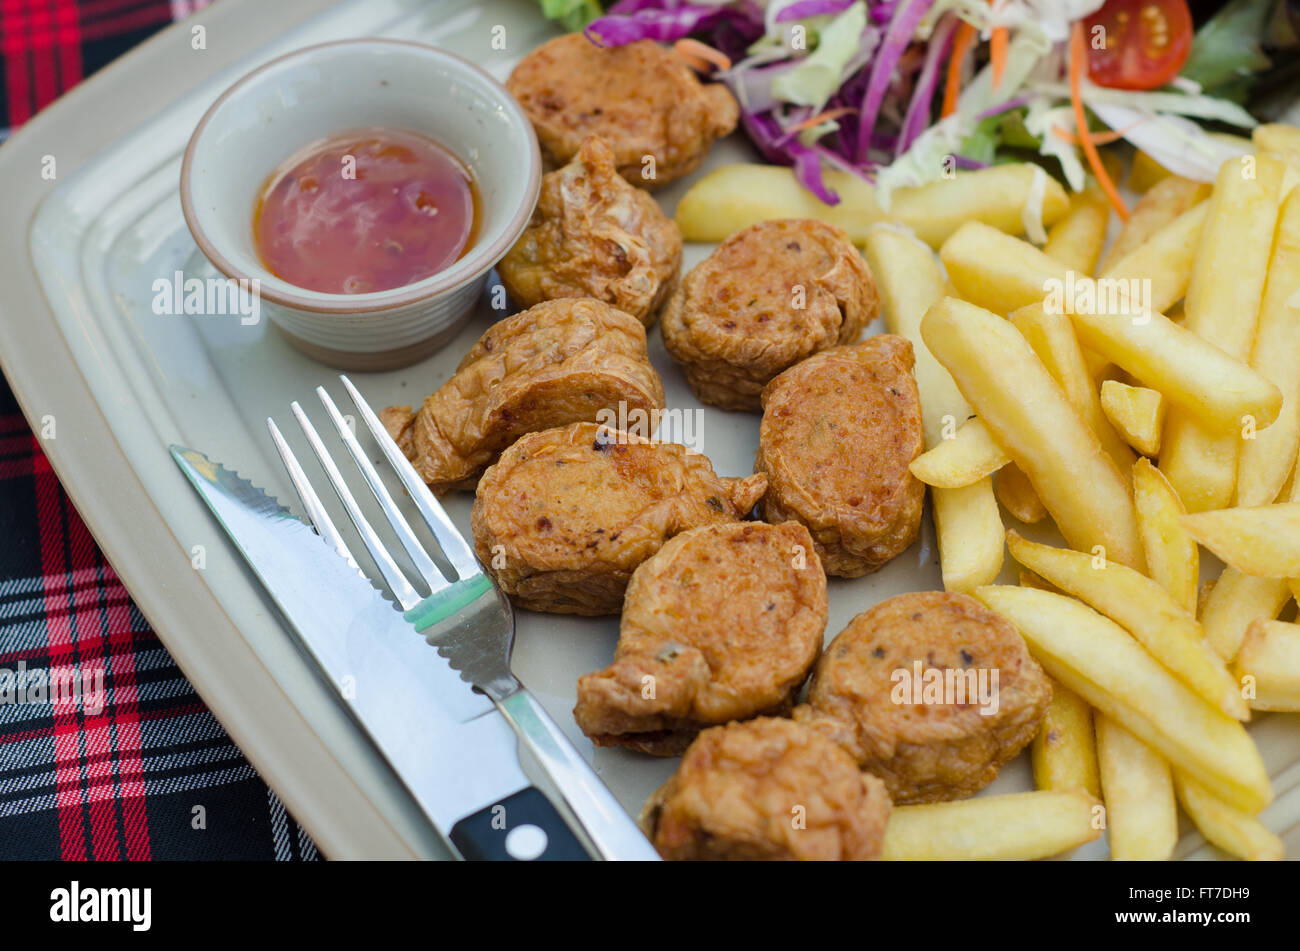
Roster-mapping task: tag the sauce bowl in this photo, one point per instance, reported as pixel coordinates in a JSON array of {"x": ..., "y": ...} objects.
[{"x": 315, "y": 92}]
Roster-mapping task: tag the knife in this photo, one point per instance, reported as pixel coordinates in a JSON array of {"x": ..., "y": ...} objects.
[{"x": 447, "y": 744}]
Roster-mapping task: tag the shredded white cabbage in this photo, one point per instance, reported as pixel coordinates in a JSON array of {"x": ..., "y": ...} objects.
[
  {"x": 1031, "y": 216},
  {"x": 820, "y": 73},
  {"x": 1040, "y": 118}
]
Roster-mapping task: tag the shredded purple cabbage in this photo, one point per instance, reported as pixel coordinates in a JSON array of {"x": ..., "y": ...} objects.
[
  {"x": 898, "y": 35},
  {"x": 667, "y": 21},
  {"x": 812, "y": 8},
  {"x": 917, "y": 118},
  {"x": 886, "y": 98}
]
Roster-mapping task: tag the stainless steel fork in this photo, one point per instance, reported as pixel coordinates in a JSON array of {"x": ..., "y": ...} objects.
[{"x": 468, "y": 619}]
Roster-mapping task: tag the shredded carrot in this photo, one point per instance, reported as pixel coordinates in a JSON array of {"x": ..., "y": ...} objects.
[
  {"x": 1097, "y": 138},
  {"x": 998, "y": 53},
  {"x": 961, "y": 45},
  {"x": 695, "y": 52},
  {"x": 1078, "y": 50},
  {"x": 821, "y": 117}
]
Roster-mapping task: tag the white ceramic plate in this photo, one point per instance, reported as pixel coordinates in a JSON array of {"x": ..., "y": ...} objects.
[{"x": 97, "y": 243}]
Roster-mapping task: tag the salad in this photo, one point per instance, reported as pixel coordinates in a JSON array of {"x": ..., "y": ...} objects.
[{"x": 901, "y": 92}]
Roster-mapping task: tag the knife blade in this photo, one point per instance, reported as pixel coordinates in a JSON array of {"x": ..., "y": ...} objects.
[{"x": 455, "y": 754}]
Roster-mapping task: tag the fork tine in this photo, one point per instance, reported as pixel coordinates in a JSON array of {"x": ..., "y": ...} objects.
[
  {"x": 316, "y": 512},
  {"x": 429, "y": 571},
  {"x": 406, "y": 595},
  {"x": 453, "y": 544}
]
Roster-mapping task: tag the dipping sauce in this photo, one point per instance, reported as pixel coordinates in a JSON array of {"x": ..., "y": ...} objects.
[{"x": 366, "y": 210}]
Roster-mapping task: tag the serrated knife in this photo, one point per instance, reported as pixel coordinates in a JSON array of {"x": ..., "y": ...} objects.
[{"x": 457, "y": 756}]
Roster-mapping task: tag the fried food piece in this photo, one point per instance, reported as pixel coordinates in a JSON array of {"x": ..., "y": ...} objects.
[
  {"x": 765, "y": 299},
  {"x": 640, "y": 98},
  {"x": 928, "y": 751},
  {"x": 767, "y": 789},
  {"x": 723, "y": 623},
  {"x": 566, "y": 515},
  {"x": 559, "y": 362},
  {"x": 838, "y": 433},
  {"x": 594, "y": 235}
]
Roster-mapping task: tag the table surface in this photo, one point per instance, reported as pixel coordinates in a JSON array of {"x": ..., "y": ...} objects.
[{"x": 139, "y": 769}]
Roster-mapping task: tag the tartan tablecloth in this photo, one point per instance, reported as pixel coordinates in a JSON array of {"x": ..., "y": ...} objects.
[{"x": 106, "y": 751}]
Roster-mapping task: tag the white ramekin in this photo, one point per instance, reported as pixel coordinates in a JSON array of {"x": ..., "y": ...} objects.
[{"x": 313, "y": 93}]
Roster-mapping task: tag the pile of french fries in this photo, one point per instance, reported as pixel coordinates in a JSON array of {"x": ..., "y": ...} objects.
[{"x": 1145, "y": 403}]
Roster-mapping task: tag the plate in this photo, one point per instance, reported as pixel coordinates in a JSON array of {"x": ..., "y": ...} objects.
[{"x": 82, "y": 343}]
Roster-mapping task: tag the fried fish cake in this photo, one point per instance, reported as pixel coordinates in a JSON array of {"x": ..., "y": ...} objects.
[
  {"x": 722, "y": 623},
  {"x": 767, "y": 789},
  {"x": 640, "y": 98},
  {"x": 838, "y": 433},
  {"x": 594, "y": 235},
  {"x": 566, "y": 515},
  {"x": 930, "y": 691},
  {"x": 766, "y": 298},
  {"x": 558, "y": 362}
]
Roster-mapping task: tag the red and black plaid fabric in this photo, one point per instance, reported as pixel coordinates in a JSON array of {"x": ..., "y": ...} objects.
[{"x": 106, "y": 751}]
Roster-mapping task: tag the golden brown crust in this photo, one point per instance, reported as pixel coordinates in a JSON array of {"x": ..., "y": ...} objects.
[
  {"x": 594, "y": 235},
  {"x": 558, "y": 362},
  {"x": 927, "y": 751},
  {"x": 565, "y": 516},
  {"x": 766, "y": 298},
  {"x": 640, "y": 98},
  {"x": 767, "y": 789},
  {"x": 723, "y": 623},
  {"x": 838, "y": 433}
]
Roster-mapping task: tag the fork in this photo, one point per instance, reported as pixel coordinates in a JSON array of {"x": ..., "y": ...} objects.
[{"x": 468, "y": 620}]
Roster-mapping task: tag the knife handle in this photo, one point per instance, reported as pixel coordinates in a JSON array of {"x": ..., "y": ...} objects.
[
  {"x": 523, "y": 826},
  {"x": 607, "y": 825}
]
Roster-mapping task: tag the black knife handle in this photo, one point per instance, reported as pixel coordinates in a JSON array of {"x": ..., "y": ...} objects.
[{"x": 514, "y": 829}]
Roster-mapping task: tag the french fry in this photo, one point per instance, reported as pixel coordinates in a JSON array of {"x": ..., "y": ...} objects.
[
  {"x": 1269, "y": 456},
  {"x": 1141, "y": 814},
  {"x": 1158, "y": 208},
  {"x": 1030, "y": 825},
  {"x": 1232, "y": 830},
  {"x": 995, "y": 196},
  {"x": 1223, "y": 302},
  {"x": 970, "y": 455},
  {"x": 1001, "y": 273},
  {"x": 1263, "y": 540},
  {"x": 1173, "y": 558},
  {"x": 1270, "y": 655},
  {"x": 996, "y": 271},
  {"x": 1189, "y": 372},
  {"x": 1028, "y": 579},
  {"x": 1076, "y": 239},
  {"x": 1064, "y": 753},
  {"x": 1234, "y": 602},
  {"x": 1165, "y": 258},
  {"x": 1028, "y": 414},
  {"x": 1017, "y": 495},
  {"x": 1098, "y": 660},
  {"x": 1276, "y": 137},
  {"x": 736, "y": 196},
  {"x": 967, "y": 522},
  {"x": 1161, "y": 625},
  {"x": 1055, "y": 344},
  {"x": 1136, "y": 413}
]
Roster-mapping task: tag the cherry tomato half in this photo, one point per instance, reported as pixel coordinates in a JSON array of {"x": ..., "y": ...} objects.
[{"x": 1138, "y": 44}]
